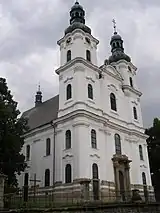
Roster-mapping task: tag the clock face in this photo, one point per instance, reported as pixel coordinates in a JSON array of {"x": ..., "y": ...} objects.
[
  {"x": 88, "y": 40},
  {"x": 68, "y": 40}
]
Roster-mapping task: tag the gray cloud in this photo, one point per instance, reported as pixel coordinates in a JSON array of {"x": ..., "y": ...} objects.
[{"x": 29, "y": 53}]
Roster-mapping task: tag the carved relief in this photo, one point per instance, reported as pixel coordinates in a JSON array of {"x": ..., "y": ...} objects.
[
  {"x": 90, "y": 79},
  {"x": 95, "y": 155},
  {"x": 79, "y": 68},
  {"x": 68, "y": 79},
  {"x": 112, "y": 87},
  {"x": 78, "y": 37},
  {"x": 67, "y": 156}
]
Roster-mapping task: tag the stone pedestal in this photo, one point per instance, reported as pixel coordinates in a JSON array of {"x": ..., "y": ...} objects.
[
  {"x": 2, "y": 179},
  {"x": 85, "y": 189}
]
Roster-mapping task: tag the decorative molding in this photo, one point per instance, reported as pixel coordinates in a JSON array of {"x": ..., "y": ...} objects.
[
  {"x": 90, "y": 79},
  {"x": 68, "y": 101},
  {"x": 105, "y": 131},
  {"x": 77, "y": 36},
  {"x": 79, "y": 68},
  {"x": 143, "y": 166},
  {"x": 60, "y": 77},
  {"x": 35, "y": 141},
  {"x": 67, "y": 156},
  {"x": 76, "y": 60},
  {"x": 68, "y": 79},
  {"x": 134, "y": 102},
  {"x": 130, "y": 89},
  {"x": 58, "y": 131},
  {"x": 95, "y": 155},
  {"x": 91, "y": 101},
  {"x": 110, "y": 86},
  {"x": 80, "y": 124}
]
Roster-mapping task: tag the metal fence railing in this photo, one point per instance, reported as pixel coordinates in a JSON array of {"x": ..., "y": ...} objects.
[{"x": 49, "y": 198}]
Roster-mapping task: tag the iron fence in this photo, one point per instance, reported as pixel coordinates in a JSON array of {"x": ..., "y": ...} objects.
[{"x": 49, "y": 198}]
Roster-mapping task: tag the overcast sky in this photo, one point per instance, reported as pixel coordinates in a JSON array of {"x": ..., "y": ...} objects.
[{"x": 29, "y": 30}]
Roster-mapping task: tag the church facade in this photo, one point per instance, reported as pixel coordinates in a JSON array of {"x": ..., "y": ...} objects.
[{"x": 92, "y": 132}]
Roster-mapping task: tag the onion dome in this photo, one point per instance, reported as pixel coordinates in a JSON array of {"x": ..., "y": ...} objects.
[
  {"x": 117, "y": 48},
  {"x": 77, "y": 19}
]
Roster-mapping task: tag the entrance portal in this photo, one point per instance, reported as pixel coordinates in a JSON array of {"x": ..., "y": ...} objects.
[{"x": 122, "y": 178}]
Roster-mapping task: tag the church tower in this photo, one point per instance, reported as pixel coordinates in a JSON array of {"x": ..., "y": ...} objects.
[
  {"x": 78, "y": 56},
  {"x": 99, "y": 133}
]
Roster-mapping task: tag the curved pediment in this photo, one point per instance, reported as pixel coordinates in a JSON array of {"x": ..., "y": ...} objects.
[{"x": 112, "y": 71}]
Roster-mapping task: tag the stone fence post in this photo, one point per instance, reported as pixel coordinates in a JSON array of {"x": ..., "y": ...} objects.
[{"x": 2, "y": 179}]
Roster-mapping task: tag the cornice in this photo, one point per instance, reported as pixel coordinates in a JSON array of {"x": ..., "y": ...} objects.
[
  {"x": 74, "y": 62},
  {"x": 65, "y": 37},
  {"x": 127, "y": 87},
  {"x": 81, "y": 124},
  {"x": 116, "y": 76}
]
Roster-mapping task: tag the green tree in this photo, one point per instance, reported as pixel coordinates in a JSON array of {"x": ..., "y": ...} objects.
[
  {"x": 12, "y": 129},
  {"x": 154, "y": 154}
]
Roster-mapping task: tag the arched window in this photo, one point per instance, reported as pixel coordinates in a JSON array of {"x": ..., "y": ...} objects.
[
  {"x": 140, "y": 152},
  {"x": 47, "y": 177},
  {"x": 69, "y": 92},
  {"x": 68, "y": 174},
  {"x": 95, "y": 171},
  {"x": 48, "y": 146},
  {"x": 135, "y": 113},
  {"x": 68, "y": 139},
  {"x": 90, "y": 91},
  {"x": 88, "y": 55},
  {"x": 131, "y": 82},
  {"x": 144, "y": 178},
  {"x": 68, "y": 55},
  {"x": 93, "y": 139},
  {"x": 113, "y": 102},
  {"x": 28, "y": 152},
  {"x": 117, "y": 144},
  {"x": 26, "y": 178}
]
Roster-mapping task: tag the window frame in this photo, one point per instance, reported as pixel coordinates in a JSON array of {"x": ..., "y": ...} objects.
[
  {"x": 69, "y": 55},
  {"x": 48, "y": 146},
  {"x": 113, "y": 102},
  {"x": 28, "y": 152},
  {"x": 88, "y": 55},
  {"x": 47, "y": 178},
  {"x": 141, "y": 152},
  {"x": 90, "y": 91},
  {"x": 93, "y": 139},
  {"x": 68, "y": 139},
  {"x": 68, "y": 92},
  {"x": 68, "y": 173},
  {"x": 95, "y": 173},
  {"x": 131, "y": 81},
  {"x": 144, "y": 180},
  {"x": 118, "y": 146},
  {"x": 135, "y": 115}
]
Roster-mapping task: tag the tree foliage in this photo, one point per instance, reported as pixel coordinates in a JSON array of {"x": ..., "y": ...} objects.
[
  {"x": 12, "y": 129},
  {"x": 154, "y": 152}
]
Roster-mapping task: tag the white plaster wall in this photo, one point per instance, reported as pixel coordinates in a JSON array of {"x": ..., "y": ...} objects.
[
  {"x": 38, "y": 162},
  {"x": 78, "y": 46}
]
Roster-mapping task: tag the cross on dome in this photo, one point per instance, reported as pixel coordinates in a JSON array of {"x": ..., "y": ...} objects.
[{"x": 114, "y": 26}]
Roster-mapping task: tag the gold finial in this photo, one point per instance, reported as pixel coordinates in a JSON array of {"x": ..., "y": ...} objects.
[{"x": 114, "y": 26}]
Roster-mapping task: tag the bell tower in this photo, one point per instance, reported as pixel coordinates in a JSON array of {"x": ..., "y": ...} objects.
[
  {"x": 77, "y": 41},
  {"x": 78, "y": 55}
]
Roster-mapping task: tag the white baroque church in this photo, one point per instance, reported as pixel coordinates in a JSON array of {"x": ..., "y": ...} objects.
[{"x": 91, "y": 132}]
